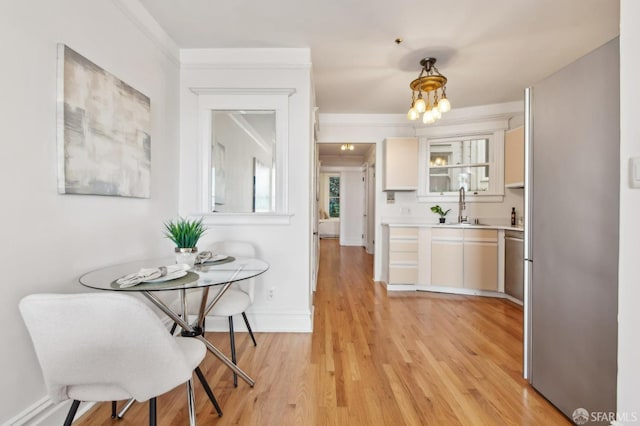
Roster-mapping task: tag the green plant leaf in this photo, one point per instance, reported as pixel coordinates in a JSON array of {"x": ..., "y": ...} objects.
[
  {"x": 183, "y": 232},
  {"x": 438, "y": 210}
]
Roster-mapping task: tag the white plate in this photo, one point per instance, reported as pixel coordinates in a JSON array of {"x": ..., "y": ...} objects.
[
  {"x": 168, "y": 277},
  {"x": 216, "y": 258}
]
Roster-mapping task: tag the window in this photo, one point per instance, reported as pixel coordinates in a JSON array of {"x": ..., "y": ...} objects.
[
  {"x": 454, "y": 164},
  {"x": 473, "y": 162},
  {"x": 334, "y": 196}
]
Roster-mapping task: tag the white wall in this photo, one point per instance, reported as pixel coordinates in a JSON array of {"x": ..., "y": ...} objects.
[
  {"x": 351, "y": 207},
  {"x": 628, "y": 280},
  {"x": 371, "y": 199},
  {"x": 48, "y": 239},
  {"x": 285, "y": 246}
]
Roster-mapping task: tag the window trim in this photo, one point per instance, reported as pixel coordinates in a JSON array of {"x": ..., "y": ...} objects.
[{"x": 496, "y": 165}]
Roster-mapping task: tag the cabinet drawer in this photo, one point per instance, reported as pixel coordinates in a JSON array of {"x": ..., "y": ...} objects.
[
  {"x": 403, "y": 246},
  {"x": 446, "y": 234},
  {"x": 403, "y": 257},
  {"x": 403, "y": 232},
  {"x": 488, "y": 235},
  {"x": 400, "y": 275}
]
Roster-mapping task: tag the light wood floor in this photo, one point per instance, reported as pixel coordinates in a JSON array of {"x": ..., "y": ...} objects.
[{"x": 373, "y": 359}]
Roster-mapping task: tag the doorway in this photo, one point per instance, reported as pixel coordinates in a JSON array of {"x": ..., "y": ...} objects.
[{"x": 345, "y": 199}]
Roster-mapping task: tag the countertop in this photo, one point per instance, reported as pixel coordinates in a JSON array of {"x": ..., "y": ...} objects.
[{"x": 420, "y": 222}]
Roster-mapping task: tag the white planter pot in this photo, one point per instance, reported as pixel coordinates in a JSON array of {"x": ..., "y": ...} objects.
[{"x": 186, "y": 255}]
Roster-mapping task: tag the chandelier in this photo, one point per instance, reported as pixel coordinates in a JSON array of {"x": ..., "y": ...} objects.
[
  {"x": 347, "y": 147},
  {"x": 430, "y": 80}
]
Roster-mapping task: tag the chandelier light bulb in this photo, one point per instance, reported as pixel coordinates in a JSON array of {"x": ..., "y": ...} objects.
[
  {"x": 435, "y": 112},
  {"x": 412, "y": 114},
  {"x": 444, "y": 105},
  {"x": 427, "y": 118},
  {"x": 420, "y": 105}
]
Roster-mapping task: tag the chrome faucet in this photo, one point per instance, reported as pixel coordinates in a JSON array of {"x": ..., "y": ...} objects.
[{"x": 461, "y": 205}]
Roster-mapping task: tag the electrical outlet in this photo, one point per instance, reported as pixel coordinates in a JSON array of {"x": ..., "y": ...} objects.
[{"x": 270, "y": 293}]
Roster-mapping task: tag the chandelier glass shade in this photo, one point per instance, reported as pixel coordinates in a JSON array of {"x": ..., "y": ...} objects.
[
  {"x": 428, "y": 94},
  {"x": 347, "y": 147}
]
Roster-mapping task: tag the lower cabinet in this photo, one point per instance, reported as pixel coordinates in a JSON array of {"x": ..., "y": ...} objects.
[
  {"x": 403, "y": 255},
  {"x": 443, "y": 257},
  {"x": 447, "y": 253},
  {"x": 465, "y": 258},
  {"x": 481, "y": 259}
]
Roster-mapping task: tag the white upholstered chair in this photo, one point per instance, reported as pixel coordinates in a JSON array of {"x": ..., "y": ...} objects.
[
  {"x": 107, "y": 347},
  {"x": 236, "y": 300}
]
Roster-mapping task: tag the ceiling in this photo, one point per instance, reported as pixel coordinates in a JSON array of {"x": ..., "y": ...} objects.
[
  {"x": 332, "y": 149},
  {"x": 489, "y": 50}
]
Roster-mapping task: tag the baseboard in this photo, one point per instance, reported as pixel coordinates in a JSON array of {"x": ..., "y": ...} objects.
[
  {"x": 451, "y": 290},
  {"x": 345, "y": 242},
  {"x": 45, "y": 412}
]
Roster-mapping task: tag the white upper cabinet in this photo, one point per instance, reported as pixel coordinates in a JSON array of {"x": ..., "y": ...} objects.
[
  {"x": 400, "y": 164},
  {"x": 514, "y": 158}
]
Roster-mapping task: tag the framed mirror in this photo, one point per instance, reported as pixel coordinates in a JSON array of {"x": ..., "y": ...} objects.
[
  {"x": 243, "y": 153},
  {"x": 243, "y": 171}
]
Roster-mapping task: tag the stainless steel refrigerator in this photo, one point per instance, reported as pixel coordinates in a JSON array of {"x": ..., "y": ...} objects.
[{"x": 571, "y": 233}]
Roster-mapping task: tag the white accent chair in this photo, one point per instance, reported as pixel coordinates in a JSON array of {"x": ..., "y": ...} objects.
[
  {"x": 236, "y": 300},
  {"x": 108, "y": 347}
]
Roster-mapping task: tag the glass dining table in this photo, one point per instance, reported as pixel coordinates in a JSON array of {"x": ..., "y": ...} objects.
[{"x": 220, "y": 274}]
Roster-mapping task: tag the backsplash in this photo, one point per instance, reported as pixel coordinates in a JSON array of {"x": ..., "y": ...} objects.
[{"x": 406, "y": 205}]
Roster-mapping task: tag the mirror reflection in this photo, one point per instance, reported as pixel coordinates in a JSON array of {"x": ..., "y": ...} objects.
[
  {"x": 456, "y": 164},
  {"x": 243, "y": 146}
]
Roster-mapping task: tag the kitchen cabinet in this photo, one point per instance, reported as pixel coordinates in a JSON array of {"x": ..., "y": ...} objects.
[
  {"x": 447, "y": 256},
  {"x": 464, "y": 258},
  {"x": 514, "y": 158},
  {"x": 403, "y": 255},
  {"x": 400, "y": 172},
  {"x": 481, "y": 259}
]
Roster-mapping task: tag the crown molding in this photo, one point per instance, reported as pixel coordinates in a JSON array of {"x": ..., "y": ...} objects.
[
  {"x": 246, "y": 58},
  {"x": 142, "y": 19},
  {"x": 244, "y": 66},
  {"x": 243, "y": 91},
  {"x": 457, "y": 116},
  {"x": 364, "y": 120}
]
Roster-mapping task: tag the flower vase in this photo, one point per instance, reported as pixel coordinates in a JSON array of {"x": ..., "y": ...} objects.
[{"x": 186, "y": 255}]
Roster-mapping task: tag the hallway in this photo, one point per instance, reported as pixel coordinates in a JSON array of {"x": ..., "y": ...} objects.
[{"x": 373, "y": 359}]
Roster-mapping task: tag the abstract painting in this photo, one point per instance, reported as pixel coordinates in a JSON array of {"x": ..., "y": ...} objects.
[{"x": 104, "y": 126}]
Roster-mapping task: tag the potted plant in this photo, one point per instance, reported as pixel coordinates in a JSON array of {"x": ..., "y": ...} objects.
[
  {"x": 185, "y": 234},
  {"x": 438, "y": 210}
]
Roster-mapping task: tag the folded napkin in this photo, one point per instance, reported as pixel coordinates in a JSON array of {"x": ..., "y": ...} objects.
[{"x": 149, "y": 274}]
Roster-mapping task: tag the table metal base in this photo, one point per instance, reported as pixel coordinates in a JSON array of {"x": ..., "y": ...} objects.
[{"x": 190, "y": 329}]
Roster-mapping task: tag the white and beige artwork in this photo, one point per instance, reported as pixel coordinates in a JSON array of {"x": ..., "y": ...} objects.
[{"x": 104, "y": 125}]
